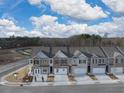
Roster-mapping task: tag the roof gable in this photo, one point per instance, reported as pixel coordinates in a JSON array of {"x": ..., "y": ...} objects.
[
  {"x": 94, "y": 55},
  {"x": 41, "y": 54},
  {"x": 117, "y": 54},
  {"x": 79, "y": 54},
  {"x": 60, "y": 54}
]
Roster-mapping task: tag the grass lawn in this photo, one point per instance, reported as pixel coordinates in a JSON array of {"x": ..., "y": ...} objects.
[{"x": 20, "y": 74}]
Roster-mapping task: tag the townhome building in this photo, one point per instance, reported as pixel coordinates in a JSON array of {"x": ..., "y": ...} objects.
[
  {"x": 76, "y": 61},
  {"x": 115, "y": 58}
]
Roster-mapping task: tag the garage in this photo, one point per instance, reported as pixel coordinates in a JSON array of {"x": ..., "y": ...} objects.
[
  {"x": 80, "y": 71},
  {"x": 98, "y": 70},
  {"x": 117, "y": 70},
  {"x": 60, "y": 71}
]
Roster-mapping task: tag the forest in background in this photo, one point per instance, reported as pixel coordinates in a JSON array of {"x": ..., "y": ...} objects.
[{"x": 78, "y": 40}]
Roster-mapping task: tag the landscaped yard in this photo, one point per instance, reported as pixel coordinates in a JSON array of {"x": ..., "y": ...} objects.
[{"x": 18, "y": 76}]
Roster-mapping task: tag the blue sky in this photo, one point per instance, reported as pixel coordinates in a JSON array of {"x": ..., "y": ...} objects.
[{"x": 38, "y": 17}]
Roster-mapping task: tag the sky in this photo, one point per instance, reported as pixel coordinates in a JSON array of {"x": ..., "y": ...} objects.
[{"x": 61, "y": 18}]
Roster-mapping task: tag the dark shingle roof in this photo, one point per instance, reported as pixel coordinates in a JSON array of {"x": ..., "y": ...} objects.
[
  {"x": 69, "y": 51},
  {"x": 110, "y": 51}
]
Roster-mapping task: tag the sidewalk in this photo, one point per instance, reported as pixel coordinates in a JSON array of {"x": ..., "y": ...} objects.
[{"x": 61, "y": 83}]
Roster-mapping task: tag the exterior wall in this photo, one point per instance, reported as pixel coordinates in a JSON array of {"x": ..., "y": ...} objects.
[
  {"x": 37, "y": 66},
  {"x": 96, "y": 62},
  {"x": 79, "y": 63},
  {"x": 59, "y": 63},
  {"x": 40, "y": 66},
  {"x": 40, "y": 71},
  {"x": 117, "y": 62}
]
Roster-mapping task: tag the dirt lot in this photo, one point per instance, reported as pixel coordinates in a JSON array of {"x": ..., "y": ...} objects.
[{"x": 11, "y": 55}]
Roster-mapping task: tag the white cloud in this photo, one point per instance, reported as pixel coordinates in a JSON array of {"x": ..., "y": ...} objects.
[
  {"x": 9, "y": 28},
  {"x": 48, "y": 26},
  {"x": 114, "y": 28},
  {"x": 115, "y": 5},
  {"x": 35, "y": 2},
  {"x": 74, "y": 8},
  {"x": 77, "y": 9}
]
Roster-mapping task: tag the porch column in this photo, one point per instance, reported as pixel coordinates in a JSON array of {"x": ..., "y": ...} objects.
[
  {"x": 51, "y": 69},
  {"x": 89, "y": 67},
  {"x": 107, "y": 69},
  {"x": 123, "y": 69},
  {"x": 70, "y": 69}
]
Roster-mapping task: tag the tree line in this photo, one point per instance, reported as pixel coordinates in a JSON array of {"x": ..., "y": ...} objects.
[{"x": 78, "y": 40}]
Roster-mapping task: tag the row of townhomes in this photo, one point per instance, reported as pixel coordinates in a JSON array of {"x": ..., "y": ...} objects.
[{"x": 77, "y": 61}]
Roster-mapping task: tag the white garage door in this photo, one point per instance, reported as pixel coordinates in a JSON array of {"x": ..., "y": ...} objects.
[
  {"x": 98, "y": 70},
  {"x": 117, "y": 70},
  {"x": 80, "y": 71},
  {"x": 60, "y": 71}
]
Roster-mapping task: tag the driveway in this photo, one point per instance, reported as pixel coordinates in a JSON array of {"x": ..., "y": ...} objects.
[
  {"x": 84, "y": 79},
  {"x": 120, "y": 76},
  {"x": 61, "y": 79}
]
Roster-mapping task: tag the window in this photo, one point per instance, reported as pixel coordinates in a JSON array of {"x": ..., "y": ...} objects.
[
  {"x": 74, "y": 60},
  {"x": 122, "y": 60},
  {"x": 99, "y": 61},
  {"x": 96, "y": 61},
  {"x": 82, "y": 61},
  {"x": 50, "y": 61},
  {"x": 93, "y": 61},
  {"x": 103, "y": 61},
  {"x": 36, "y": 62},
  {"x": 35, "y": 71},
  {"x": 44, "y": 70},
  {"x": 116, "y": 61},
  {"x": 38, "y": 71},
  {"x": 31, "y": 61}
]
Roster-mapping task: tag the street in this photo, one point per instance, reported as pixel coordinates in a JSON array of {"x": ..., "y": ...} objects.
[
  {"x": 109, "y": 88},
  {"x": 12, "y": 67}
]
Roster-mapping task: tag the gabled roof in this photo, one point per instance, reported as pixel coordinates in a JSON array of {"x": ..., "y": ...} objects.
[
  {"x": 41, "y": 55},
  {"x": 77, "y": 53},
  {"x": 87, "y": 54},
  {"x": 60, "y": 54},
  {"x": 94, "y": 55},
  {"x": 110, "y": 51},
  {"x": 93, "y": 51},
  {"x": 116, "y": 54}
]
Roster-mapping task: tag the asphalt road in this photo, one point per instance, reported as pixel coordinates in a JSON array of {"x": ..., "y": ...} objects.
[
  {"x": 10, "y": 68},
  {"x": 109, "y": 88}
]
